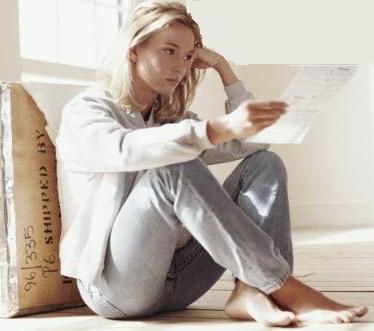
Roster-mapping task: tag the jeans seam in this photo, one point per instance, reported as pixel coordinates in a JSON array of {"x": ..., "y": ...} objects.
[
  {"x": 240, "y": 176},
  {"x": 87, "y": 288},
  {"x": 112, "y": 305},
  {"x": 171, "y": 281},
  {"x": 244, "y": 173},
  {"x": 185, "y": 261},
  {"x": 188, "y": 259},
  {"x": 101, "y": 297}
]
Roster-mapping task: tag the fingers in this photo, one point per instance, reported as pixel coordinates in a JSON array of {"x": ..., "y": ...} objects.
[
  {"x": 267, "y": 114},
  {"x": 268, "y": 104},
  {"x": 263, "y": 124},
  {"x": 254, "y": 116},
  {"x": 266, "y": 109}
]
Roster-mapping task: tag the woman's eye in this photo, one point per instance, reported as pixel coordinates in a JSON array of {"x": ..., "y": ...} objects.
[
  {"x": 167, "y": 50},
  {"x": 171, "y": 51}
]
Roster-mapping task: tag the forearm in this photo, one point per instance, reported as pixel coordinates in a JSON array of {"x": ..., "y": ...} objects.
[
  {"x": 218, "y": 130},
  {"x": 227, "y": 75}
]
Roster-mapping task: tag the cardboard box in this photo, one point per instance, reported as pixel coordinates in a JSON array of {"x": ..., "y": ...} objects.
[{"x": 30, "y": 219}]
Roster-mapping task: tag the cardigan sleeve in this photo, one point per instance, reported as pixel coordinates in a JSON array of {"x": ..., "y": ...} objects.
[
  {"x": 91, "y": 139},
  {"x": 236, "y": 148}
]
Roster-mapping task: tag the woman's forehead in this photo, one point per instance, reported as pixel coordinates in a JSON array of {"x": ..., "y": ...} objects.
[{"x": 176, "y": 34}]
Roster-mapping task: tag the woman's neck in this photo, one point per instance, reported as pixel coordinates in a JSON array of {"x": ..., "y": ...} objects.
[
  {"x": 146, "y": 114},
  {"x": 144, "y": 94}
]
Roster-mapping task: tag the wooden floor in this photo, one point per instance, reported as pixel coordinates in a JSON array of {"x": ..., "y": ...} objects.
[{"x": 338, "y": 262}]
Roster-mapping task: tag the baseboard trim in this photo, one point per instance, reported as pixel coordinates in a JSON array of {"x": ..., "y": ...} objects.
[{"x": 337, "y": 214}]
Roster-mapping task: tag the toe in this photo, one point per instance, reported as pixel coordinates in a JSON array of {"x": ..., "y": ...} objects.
[
  {"x": 359, "y": 311},
  {"x": 280, "y": 319},
  {"x": 345, "y": 317},
  {"x": 338, "y": 319},
  {"x": 352, "y": 315},
  {"x": 278, "y": 322},
  {"x": 292, "y": 317}
]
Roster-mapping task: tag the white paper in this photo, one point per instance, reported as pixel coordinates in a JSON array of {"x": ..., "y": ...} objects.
[{"x": 306, "y": 95}]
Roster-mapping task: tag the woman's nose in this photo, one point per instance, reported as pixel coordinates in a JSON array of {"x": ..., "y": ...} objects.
[
  {"x": 180, "y": 64},
  {"x": 180, "y": 69}
]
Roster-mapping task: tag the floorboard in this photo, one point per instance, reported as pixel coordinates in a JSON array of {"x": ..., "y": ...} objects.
[{"x": 338, "y": 262}]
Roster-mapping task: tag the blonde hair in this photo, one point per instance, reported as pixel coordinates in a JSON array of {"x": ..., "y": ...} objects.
[{"x": 116, "y": 76}]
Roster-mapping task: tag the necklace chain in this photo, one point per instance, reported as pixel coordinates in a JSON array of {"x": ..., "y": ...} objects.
[{"x": 154, "y": 106}]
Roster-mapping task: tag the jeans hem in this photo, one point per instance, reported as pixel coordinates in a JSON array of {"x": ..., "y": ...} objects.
[{"x": 276, "y": 285}]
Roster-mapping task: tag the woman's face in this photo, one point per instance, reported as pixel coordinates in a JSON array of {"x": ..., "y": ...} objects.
[{"x": 163, "y": 60}]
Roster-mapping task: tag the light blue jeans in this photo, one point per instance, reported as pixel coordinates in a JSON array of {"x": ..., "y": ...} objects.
[{"x": 242, "y": 226}]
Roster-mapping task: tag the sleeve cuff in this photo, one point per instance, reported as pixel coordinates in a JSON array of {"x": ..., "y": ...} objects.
[
  {"x": 202, "y": 134},
  {"x": 236, "y": 90}
]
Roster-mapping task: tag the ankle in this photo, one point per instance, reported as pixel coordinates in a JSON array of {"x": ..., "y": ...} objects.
[
  {"x": 287, "y": 294},
  {"x": 239, "y": 285}
]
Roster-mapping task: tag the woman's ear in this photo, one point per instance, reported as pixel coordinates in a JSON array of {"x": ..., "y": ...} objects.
[{"x": 133, "y": 55}]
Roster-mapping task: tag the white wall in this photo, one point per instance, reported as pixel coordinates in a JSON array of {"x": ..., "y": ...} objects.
[
  {"x": 10, "y": 62},
  {"x": 330, "y": 172},
  {"x": 331, "y": 180}
]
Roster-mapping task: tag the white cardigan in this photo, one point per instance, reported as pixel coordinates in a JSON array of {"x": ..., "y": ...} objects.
[{"x": 102, "y": 151}]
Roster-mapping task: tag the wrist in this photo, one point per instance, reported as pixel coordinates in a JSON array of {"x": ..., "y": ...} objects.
[
  {"x": 221, "y": 61},
  {"x": 224, "y": 70},
  {"x": 218, "y": 130}
]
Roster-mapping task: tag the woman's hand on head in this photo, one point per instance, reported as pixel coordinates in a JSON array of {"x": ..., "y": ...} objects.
[{"x": 205, "y": 58}]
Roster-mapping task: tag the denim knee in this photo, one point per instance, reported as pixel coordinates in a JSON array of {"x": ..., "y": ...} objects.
[
  {"x": 176, "y": 168},
  {"x": 268, "y": 161},
  {"x": 167, "y": 176}
]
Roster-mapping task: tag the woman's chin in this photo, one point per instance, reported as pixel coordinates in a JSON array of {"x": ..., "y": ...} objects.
[{"x": 167, "y": 91}]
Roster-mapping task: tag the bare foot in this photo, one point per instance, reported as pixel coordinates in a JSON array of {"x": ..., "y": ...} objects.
[
  {"x": 249, "y": 303},
  {"x": 311, "y": 306}
]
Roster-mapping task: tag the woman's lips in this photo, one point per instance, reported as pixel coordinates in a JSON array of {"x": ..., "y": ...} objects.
[{"x": 172, "y": 81}]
